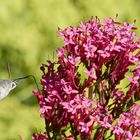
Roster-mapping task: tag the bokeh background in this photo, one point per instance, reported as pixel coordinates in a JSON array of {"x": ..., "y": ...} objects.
[{"x": 28, "y": 37}]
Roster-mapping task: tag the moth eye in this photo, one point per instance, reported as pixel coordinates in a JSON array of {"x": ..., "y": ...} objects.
[{"x": 13, "y": 85}]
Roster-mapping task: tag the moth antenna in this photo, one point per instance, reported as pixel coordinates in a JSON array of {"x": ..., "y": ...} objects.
[
  {"x": 20, "y": 78},
  {"x": 8, "y": 70}
]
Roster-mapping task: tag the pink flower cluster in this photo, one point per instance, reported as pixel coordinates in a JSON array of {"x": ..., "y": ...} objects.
[{"x": 82, "y": 96}]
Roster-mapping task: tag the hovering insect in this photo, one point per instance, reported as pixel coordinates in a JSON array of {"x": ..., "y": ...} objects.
[{"x": 8, "y": 84}]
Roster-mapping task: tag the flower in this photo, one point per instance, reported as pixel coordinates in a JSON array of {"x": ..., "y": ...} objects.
[
  {"x": 81, "y": 91},
  {"x": 40, "y": 136},
  {"x": 128, "y": 125}
]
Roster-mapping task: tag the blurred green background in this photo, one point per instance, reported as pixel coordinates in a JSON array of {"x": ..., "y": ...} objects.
[{"x": 28, "y": 38}]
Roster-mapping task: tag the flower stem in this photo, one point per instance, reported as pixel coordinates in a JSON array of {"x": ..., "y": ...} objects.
[
  {"x": 47, "y": 129},
  {"x": 90, "y": 95},
  {"x": 73, "y": 131}
]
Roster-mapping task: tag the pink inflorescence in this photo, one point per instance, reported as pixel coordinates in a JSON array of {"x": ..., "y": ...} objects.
[{"x": 103, "y": 54}]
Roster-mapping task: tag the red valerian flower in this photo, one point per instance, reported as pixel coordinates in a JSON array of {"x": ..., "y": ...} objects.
[
  {"x": 82, "y": 96},
  {"x": 128, "y": 126}
]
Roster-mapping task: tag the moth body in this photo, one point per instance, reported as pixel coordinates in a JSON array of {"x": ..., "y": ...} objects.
[{"x": 5, "y": 87}]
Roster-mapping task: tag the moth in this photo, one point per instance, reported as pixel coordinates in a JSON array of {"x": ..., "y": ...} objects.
[{"x": 7, "y": 85}]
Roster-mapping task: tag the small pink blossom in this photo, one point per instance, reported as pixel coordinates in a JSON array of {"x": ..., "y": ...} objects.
[{"x": 91, "y": 73}]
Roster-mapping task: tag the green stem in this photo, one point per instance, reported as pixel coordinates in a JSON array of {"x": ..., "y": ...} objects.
[
  {"x": 90, "y": 92},
  {"x": 73, "y": 131},
  {"x": 47, "y": 129}
]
